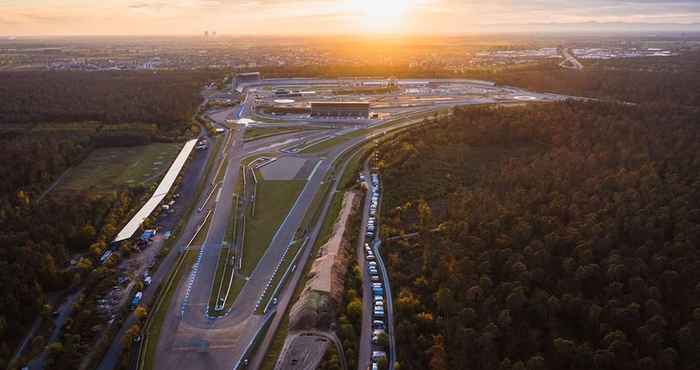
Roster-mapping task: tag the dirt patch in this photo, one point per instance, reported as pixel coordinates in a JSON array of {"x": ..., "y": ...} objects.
[
  {"x": 331, "y": 259},
  {"x": 315, "y": 309}
]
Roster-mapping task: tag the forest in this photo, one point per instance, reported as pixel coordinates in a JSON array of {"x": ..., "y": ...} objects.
[
  {"x": 50, "y": 122},
  {"x": 665, "y": 81},
  {"x": 550, "y": 236},
  {"x": 164, "y": 97}
]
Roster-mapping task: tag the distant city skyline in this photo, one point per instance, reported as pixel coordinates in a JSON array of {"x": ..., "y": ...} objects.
[{"x": 328, "y": 17}]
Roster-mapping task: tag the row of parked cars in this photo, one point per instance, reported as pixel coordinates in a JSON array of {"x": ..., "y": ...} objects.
[{"x": 376, "y": 281}]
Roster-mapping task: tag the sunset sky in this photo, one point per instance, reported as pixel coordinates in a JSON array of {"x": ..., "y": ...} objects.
[{"x": 278, "y": 17}]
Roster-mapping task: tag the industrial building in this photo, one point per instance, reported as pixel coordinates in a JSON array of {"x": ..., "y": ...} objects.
[
  {"x": 340, "y": 109},
  {"x": 244, "y": 78},
  {"x": 287, "y": 93}
]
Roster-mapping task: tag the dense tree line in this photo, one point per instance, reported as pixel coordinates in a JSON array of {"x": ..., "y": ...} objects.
[
  {"x": 663, "y": 81},
  {"x": 164, "y": 98},
  {"x": 50, "y": 122},
  {"x": 37, "y": 243},
  {"x": 554, "y": 236}
]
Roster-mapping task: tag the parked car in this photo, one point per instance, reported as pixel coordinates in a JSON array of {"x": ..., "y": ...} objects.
[
  {"x": 376, "y": 355},
  {"x": 136, "y": 300},
  {"x": 378, "y": 324},
  {"x": 378, "y": 313}
]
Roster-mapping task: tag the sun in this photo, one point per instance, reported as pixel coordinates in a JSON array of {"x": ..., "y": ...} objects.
[{"x": 381, "y": 15}]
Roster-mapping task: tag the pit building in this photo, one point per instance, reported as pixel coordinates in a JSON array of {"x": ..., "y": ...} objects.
[{"x": 340, "y": 109}]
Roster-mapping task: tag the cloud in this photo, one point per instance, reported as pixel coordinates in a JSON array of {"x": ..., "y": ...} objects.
[
  {"x": 158, "y": 5},
  {"x": 321, "y": 16}
]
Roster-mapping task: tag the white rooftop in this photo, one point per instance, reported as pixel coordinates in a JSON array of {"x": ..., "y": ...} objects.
[{"x": 161, "y": 191}]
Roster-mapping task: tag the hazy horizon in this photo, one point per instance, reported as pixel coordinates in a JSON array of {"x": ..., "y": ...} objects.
[{"x": 335, "y": 17}]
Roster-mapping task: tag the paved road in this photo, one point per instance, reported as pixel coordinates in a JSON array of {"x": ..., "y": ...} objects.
[
  {"x": 194, "y": 339},
  {"x": 365, "y": 354},
  {"x": 305, "y": 350},
  {"x": 389, "y": 303},
  {"x": 570, "y": 61},
  {"x": 366, "y": 346},
  {"x": 64, "y": 312},
  {"x": 190, "y": 339},
  {"x": 191, "y": 177},
  {"x": 287, "y": 293}
]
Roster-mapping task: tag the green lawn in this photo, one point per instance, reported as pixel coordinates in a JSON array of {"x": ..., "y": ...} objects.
[
  {"x": 330, "y": 143},
  {"x": 254, "y": 133},
  {"x": 273, "y": 203},
  {"x": 222, "y": 171},
  {"x": 332, "y": 217},
  {"x": 276, "y": 345},
  {"x": 221, "y": 271},
  {"x": 224, "y": 269},
  {"x": 355, "y": 166},
  {"x": 108, "y": 168},
  {"x": 278, "y": 340},
  {"x": 315, "y": 207},
  {"x": 286, "y": 262}
]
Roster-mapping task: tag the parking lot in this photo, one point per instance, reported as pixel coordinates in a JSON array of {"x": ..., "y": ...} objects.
[{"x": 377, "y": 329}]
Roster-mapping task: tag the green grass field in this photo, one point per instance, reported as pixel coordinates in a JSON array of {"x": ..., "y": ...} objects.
[
  {"x": 276, "y": 345},
  {"x": 326, "y": 145},
  {"x": 286, "y": 262},
  {"x": 222, "y": 171},
  {"x": 354, "y": 167},
  {"x": 273, "y": 203},
  {"x": 106, "y": 169},
  {"x": 254, "y": 133},
  {"x": 225, "y": 268},
  {"x": 280, "y": 336}
]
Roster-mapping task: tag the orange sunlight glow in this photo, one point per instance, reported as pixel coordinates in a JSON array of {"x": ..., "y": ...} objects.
[{"x": 382, "y": 15}]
